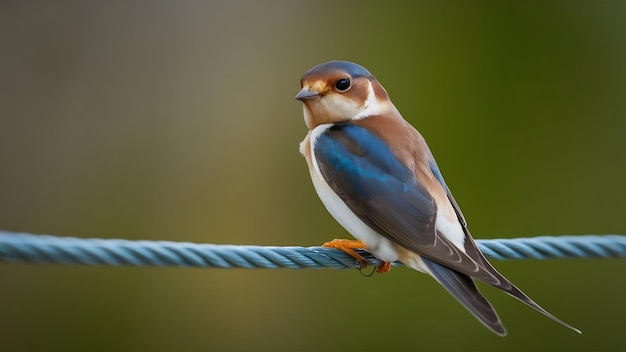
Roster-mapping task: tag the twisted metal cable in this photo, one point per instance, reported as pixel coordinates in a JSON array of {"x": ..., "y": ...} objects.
[{"x": 23, "y": 247}]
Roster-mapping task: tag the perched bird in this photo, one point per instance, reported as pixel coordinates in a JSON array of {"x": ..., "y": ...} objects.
[{"x": 377, "y": 177}]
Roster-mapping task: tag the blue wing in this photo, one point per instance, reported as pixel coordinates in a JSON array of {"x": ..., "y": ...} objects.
[{"x": 384, "y": 193}]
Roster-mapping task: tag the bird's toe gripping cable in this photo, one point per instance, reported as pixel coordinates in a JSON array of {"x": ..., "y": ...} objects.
[{"x": 348, "y": 246}]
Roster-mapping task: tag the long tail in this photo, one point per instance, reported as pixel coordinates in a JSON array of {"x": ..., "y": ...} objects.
[
  {"x": 515, "y": 292},
  {"x": 463, "y": 288},
  {"x": 498, "y": 280}
]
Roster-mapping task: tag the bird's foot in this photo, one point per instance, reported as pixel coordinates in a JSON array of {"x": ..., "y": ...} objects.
[{"x": 348, "y": 246}]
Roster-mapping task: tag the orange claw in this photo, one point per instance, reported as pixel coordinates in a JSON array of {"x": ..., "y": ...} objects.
[
  {"x": 384, "y": 268},
  {"x": 348, "y": 246}
]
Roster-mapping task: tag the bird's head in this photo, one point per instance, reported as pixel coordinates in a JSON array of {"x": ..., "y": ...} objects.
[{"x": 338, "y": 91}]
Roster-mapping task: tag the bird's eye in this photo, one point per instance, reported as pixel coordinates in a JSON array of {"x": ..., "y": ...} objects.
[{"x": 342, "y": 84}]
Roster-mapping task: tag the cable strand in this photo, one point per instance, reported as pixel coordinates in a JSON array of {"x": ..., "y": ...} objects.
[{"x": 40, "y": 249}]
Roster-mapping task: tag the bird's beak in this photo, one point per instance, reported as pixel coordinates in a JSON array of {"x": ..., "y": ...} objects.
[{"x": 306, "y": 93}]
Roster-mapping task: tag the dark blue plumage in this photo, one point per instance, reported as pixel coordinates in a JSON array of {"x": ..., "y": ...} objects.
[
  {"x": 371, "y": 180},
  {"x": 352, "y": 69},
  {"x": 355, "y": 150}
]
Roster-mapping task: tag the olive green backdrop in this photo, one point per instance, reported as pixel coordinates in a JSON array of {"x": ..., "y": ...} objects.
[{"x": 176, "y": 121}]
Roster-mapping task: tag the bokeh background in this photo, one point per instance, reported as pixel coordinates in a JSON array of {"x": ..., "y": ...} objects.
[{"x": 176, "y": 121}]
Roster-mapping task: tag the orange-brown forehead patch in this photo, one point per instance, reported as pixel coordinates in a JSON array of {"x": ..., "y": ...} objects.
[{"x": 320, "y": 86}]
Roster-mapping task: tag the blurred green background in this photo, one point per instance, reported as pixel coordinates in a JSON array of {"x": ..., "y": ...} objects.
[{"x": 176, "y": 121}]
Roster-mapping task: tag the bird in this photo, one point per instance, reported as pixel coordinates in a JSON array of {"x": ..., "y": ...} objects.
[{"x": 377, "y": 177}]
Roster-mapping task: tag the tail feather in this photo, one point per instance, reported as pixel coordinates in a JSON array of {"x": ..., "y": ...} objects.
[
  {"x": 504, "y": 284},
  {"x": 463, "y": 288},
  {"x": 516, "y": 293}
]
